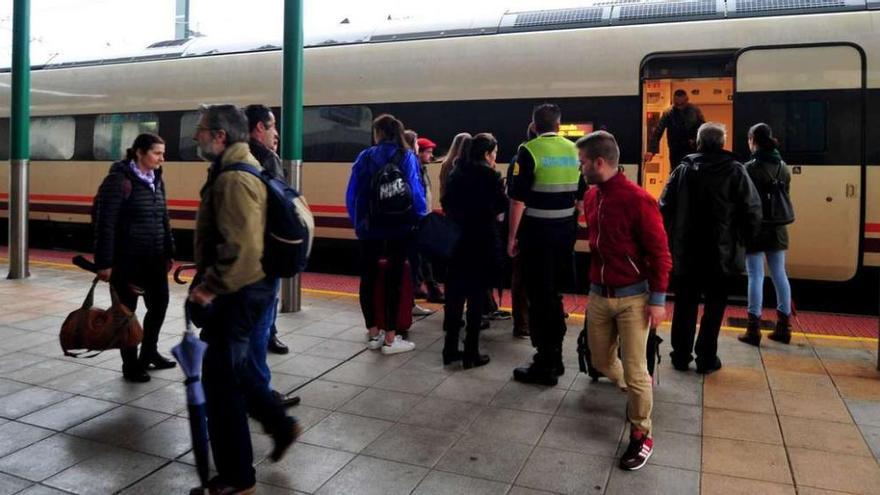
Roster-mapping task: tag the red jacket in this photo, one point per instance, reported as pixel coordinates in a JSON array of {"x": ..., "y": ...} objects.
[{"x": 628, "y": 243}]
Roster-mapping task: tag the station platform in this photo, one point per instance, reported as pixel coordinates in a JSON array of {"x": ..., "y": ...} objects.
[{"x": 802, "y": 418}]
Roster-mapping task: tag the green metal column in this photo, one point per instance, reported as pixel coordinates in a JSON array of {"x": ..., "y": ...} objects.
[
  {"x": 19, "y": 141},
  {"x": 291, "y": 125}
]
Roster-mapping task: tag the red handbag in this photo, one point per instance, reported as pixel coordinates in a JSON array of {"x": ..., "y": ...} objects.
[{"x": 96, "y": 330}]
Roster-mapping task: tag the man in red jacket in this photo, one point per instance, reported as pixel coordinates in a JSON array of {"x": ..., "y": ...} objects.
[{"x": 629, "y": 272}]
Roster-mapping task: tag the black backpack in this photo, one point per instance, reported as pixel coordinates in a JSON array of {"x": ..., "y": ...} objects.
[
  {"x": 391, "y": 197},
  {"x": 776, "y": 203},
  {"x": 290, "y": 225}
]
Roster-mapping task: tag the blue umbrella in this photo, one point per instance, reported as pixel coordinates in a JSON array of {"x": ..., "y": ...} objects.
[{"x": 189, "y": 353}]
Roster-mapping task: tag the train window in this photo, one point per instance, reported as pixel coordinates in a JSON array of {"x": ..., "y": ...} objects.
[
  {"x": 52, "y": 138},
  {"x": 187, "y": 148},
  {"x": 800, "y": 125},
  {"x": 114, "y": 133},
  {"x": 4, "y": 139},
  {"x": 336, "y": 134}
]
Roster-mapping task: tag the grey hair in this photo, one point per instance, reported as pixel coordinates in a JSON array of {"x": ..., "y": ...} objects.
[
  {"x": 229, "y": 119},
  {"x": 711, "y": 136}
]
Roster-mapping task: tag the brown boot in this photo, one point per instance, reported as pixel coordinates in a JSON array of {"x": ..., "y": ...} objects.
[
  {"x": 782, "y": 333},
  {"x": 753, "y": 331}
]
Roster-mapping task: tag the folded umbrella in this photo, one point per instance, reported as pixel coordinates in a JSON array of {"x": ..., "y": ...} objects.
[{"x": 189, "y": 353}]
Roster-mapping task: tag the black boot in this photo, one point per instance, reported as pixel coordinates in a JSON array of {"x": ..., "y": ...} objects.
[
  {"x": 135, "y": 373},
  {"x": 151, "y": 359},
  {"x": 753, "y": 331},
  {"x": 451, "y": 353},
  {"x": 782, "y": 333},
  {"x": 472, "y": 357}
]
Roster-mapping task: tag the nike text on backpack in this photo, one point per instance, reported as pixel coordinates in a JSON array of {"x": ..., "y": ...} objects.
[
  {"x": 290, "y": 226},
  {"x": 391, "y": 201}
]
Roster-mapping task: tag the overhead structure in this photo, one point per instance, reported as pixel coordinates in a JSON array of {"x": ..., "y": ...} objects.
[
  {"x": 292, "y": 125},
  {"x": 19, "y": 141}
]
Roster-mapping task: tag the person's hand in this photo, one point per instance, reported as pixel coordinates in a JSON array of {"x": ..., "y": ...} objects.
[
  {"x": 201, "y": 296},
  {"x": 648, "y": 156},
  {"x": 104, "y": 275},
  {"x": 655, "y": 315},
  {"x": 512, "y": 248}
]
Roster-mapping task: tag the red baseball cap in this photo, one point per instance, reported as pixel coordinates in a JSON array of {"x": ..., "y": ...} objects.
[{"x": 425, "y": 144}]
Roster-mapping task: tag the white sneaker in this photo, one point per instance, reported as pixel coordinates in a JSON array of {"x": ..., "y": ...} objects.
[
  {"x": 420, "y": 311},
  {"x": 376, "y": 342},
  {"x": 399, "y": 345}
]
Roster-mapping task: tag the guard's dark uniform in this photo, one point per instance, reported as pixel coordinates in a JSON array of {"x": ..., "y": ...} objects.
[{"x": 545, "y": 178}]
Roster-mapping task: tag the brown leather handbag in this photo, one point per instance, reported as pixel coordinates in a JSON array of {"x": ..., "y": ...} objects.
[{"x": 96, "y": 330}]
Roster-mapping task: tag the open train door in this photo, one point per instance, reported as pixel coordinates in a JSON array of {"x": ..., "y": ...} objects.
[{"x": 813, "y": 96}]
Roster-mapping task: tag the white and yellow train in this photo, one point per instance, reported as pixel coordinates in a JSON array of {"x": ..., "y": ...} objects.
[{"x": 811, "y": 70}]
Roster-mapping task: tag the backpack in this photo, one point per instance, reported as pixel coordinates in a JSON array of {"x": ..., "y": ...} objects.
[
  {"x": 775, "y": 201},
  {"x": 290, "y": 225},
  {"x": 391, "y": 201}
]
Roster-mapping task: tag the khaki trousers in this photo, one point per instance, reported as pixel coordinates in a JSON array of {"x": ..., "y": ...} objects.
[{"x": 623, "y": 318}]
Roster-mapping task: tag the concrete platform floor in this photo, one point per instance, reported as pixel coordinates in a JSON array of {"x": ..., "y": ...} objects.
[{"x": 803, "y": 418}]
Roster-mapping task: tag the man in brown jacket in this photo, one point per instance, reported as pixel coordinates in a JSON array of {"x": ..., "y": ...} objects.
[{"x": 229, "y": 246}]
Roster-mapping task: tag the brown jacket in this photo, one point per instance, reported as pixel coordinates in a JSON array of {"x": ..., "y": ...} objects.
[{"x": 230, "y": 225}]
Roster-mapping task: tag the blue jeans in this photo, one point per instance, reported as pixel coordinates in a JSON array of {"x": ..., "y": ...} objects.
[
  {"x": 755, "y": 269},
  {"x": 260, "y": 340}
]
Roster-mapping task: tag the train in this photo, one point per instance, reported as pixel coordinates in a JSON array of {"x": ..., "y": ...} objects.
[{"x": 809, "y": 69}]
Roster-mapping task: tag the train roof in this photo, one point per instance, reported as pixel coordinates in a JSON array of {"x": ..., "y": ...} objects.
[{"x": 597, "y": 13}]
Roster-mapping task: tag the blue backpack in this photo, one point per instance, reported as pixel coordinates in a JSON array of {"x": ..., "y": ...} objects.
[{"x": 290, "y": 225}]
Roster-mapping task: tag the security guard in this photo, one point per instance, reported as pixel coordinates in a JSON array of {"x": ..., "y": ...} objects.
[{"x": 543, "y": 223}]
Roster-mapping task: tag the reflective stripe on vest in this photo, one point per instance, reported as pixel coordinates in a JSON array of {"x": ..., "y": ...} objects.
[
  {"x": 549, "y": 214},
  {"x": 556, "y": 164}
]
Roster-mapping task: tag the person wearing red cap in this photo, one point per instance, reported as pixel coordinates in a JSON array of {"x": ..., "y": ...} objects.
[{"x": 425, "y": 150}]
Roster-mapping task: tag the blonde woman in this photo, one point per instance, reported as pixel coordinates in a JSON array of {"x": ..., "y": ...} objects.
[{"x": 448, "y": 162}]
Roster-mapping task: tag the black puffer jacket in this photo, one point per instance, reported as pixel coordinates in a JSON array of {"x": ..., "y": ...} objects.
[
  {"x": 130, "y": 219},
  {"x": 711, "y": 210},
  {"x": 474, "y": 198},
  {"x": 762, "y": 169}
]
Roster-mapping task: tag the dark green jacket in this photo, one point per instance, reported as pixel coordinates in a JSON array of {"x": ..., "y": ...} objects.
[{"x": 762, "y": 169}]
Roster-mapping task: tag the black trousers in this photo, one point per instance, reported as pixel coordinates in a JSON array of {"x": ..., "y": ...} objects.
[
  {"x": 688, "y": 292},
  {"x": 233, "y": 388},
  {"x": 465, "y": 283},
  {"x": 547, "y": 249},
  {"x": 150, "y": 275},
  {"x": 396, "y": 251}
]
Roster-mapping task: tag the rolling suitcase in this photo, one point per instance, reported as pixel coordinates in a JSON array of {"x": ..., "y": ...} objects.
[{"x": 403, "y": 312}]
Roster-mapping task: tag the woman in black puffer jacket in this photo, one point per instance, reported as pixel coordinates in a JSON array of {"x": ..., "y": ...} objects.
[
  {"x": 474, "y": 198},
  {"x": 134, "y": 245}
]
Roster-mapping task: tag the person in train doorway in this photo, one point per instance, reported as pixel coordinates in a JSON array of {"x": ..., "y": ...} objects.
[
  {"x": 768, "y": 171},
  {"x": 474, "y": 198},
  {"x": 711, "y": 210},
  {"x": 230, "y": 228},
  {"x": 263, "y": 144},
  {"x": 542, "y": 230},
  {"x": 134, "y": 245},
  {"x": 680, "y": 122},
  {"x": 411, "y": 138},
  {"x": 629, "y": 273},
  {"x": 433, "y": 294},
  {"x": 384, "y": 233}
]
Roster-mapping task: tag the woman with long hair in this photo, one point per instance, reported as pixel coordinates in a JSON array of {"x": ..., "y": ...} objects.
[
  {"x": 448, "y": 161},
  {"x": 134, "y": 246},
  {"x": 767, "y": 171},
  {"x": 474, "y": 198},
  {"x": 384, "y": 235}
]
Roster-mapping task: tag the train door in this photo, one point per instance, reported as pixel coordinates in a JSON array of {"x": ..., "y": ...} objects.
[
  {"x": 706, "y": 78},
  {"x": 813, "y": 98}
]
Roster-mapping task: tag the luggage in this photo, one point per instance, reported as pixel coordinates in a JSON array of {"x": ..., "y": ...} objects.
[
  {"x": 290, "y": 225},
  {"x": 438, "y": 236},
  {"x": 585, "y": 363},
  {"x": 403, "y": 312},
  {"x": 96, "y": 330}
]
